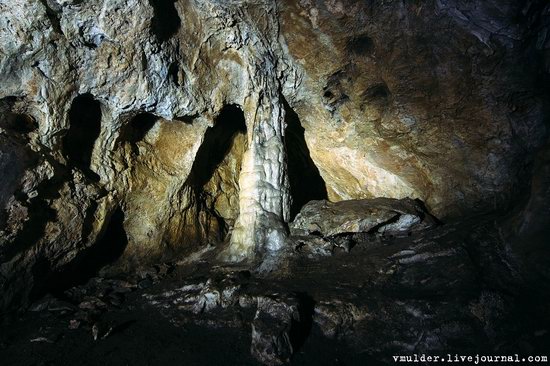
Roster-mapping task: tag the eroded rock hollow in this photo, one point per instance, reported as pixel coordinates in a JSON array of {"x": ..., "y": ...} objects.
[{"x": 262, "y": 137}]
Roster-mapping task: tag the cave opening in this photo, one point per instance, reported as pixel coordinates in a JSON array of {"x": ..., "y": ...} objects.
[
  {"x": 217, "y": 142},
  {"x": 136, "y": 129},
  {"x": 215, "y": 172},
  {"x": 21, "y": 123},
  {"x": 306, "y": 183},
  {"x": 84, "y": 129},
  {"x": 106, "y": 250},
  {"x": 166, "y": 21}
]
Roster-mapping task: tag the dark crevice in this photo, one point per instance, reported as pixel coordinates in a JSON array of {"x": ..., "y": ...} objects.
[
  {"x": 216, "y": 144},
  {"x": 389, "y": 221},
  {"x": 187, "y": 119},
  {"x": 136, "y": 129},
  {"x": 84, "y": 129},
  {"x": 173, "y": 73},
  {"x": 53, "y": 15},
  {"x": 166, "y": 21},
  {"x": 360, "y": 45},
  {"x": 376, "y": 92},
  {"x": 20, "y": 123},
  {"x": 218, "y": 141},
  {"x": 300, "y": 329},
  {"x": 12, "y": 121},
  {"x": 334, "y": 92},
  {"x": 106, "y": 250},
  {"x": 306, "y": 184}
]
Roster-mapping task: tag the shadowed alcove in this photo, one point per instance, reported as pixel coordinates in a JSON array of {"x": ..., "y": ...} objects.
[
  {"x": 166, "y": 21},
  {"x": 106, "y": 250},
  {"x": 135, "y": 130},
  {"x": 84, "y": 129},
  {"x": 215, "y": 172},
  {"x": 306, "y": 183},
  {"x": 217, "y": 143}
]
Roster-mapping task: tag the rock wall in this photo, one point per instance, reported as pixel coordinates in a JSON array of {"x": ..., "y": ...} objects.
[
  {"x": 118, "y": 109},
  {"x": 434, "y": 100}
]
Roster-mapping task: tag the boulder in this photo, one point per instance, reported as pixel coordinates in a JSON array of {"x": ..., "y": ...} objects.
[{"x": 379, "y": 215}]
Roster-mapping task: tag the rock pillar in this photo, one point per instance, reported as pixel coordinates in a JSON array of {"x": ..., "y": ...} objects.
[{"x": 264, "y": 198}]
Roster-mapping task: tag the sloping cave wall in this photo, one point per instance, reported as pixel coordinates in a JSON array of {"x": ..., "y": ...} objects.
[{"x": 125, "y": 102}]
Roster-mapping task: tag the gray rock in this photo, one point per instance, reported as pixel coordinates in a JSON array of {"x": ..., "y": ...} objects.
[
  {"x": 379, "y": 215},
  {"x": 436, "y": 101},
  {"x": 271, "y": 327}
]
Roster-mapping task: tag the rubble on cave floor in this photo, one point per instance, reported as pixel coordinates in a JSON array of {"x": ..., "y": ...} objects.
[{"x": 420, "y": 293}]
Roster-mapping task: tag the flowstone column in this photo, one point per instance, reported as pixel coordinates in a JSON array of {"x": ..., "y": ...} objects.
[{"x": 264, "y": 199}]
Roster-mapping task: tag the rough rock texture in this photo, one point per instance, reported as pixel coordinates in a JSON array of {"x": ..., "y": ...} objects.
[
  {"x": 460, "y": 288},
  {"x": 113, "y": 112},
  {"x": 271, "y": 330},
  {"x": 380, "y": 215},
  {"x": 440, "y": 100}
]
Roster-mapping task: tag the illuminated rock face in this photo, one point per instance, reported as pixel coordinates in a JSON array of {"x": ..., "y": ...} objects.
[
  {"x": 418, "y": 99},
  {"x": 183, "y": 119}
]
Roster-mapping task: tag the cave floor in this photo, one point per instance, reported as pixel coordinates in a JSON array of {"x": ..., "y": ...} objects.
[{"x": 446, "y": 290}]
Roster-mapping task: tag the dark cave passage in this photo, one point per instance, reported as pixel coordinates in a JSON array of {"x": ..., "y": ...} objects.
[
  {"x": 109, "y": 247},
  {"x": 136, "y": 129},
  {"x": 215, "y": 172},
  {"x": 217, "y": 142},
  {"x": 105, "y": 251},
  {"x": 306, "y": 184},
  {"x": 84, "y": 129},
  {"x": 166, "y": 21},
  {"x": 21, "y": 123}
]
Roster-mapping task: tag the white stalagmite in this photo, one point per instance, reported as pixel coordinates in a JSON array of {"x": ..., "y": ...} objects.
[{"x": 264, "y": 198}]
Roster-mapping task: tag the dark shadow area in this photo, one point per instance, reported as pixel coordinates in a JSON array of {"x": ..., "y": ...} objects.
[
  {"x": 425, "y": 211},
  {"x": 135, "y": 130},
  {"x": 376, "y": 92},
  {"x": 173, "y": 73},
  {"x": 306, "y": 183},
  {"x": 21, "y": 123},
  {"x": 122, "y": 327},
  {"x": 106, "y": 250},
  {"x": 84, "y": 129},
  {"x": 300, "y": 329},
  {"x": 53, "y": 15},
  {"x": 360, "y": 45},
  {"x": 166, "y": 21},
  {"x": 187, "y": 119},
  {"x": 216, "y": 144}
]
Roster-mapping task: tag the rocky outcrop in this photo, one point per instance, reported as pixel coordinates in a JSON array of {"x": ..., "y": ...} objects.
[
  {"x": 381, "y": 215},
  {"x": 272, "y": 330},
  {"x": 455, "y": 288},
  {"x": 158, "y": 128}
]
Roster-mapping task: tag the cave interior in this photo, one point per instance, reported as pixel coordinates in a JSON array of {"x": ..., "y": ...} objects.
[{"x": 279, "y": 182}]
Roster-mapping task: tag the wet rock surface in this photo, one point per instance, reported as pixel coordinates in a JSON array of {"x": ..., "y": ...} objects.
[{"x": 422, "y": 293}]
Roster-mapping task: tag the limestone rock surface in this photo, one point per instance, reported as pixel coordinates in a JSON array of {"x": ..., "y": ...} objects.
[
  {"x": 379, "y": 215},
  {"x": 153, "y": 129}
]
